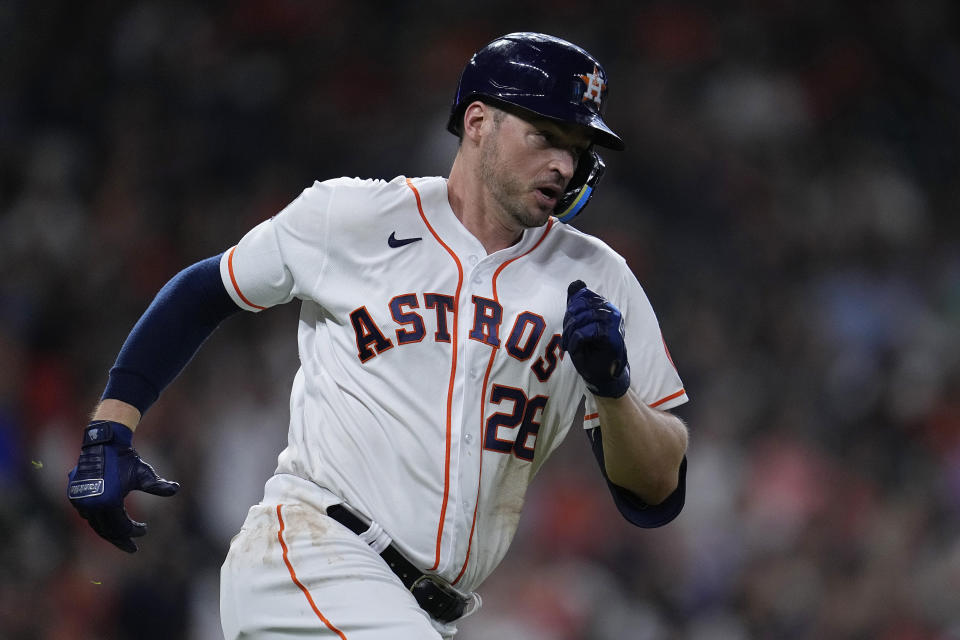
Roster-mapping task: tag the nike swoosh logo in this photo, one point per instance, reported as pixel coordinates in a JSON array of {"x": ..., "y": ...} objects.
[{"x": 395, "y": 242}]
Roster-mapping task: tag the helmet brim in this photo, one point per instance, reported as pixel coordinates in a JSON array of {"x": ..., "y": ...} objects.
[{"x": 600, "y": 134}]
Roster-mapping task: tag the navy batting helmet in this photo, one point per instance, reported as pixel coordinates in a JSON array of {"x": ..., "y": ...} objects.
[
  {"x": 549, "y": 77},
  {"x": 541, "y": 74}
]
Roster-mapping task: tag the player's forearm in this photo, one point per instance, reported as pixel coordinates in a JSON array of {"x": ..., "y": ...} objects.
[
  {"x": 181, "y": 317},
  {"x": 642, "y": 447}
]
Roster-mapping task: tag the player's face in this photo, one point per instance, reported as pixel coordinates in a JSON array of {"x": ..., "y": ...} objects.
[{"x": 526, "y": 165}]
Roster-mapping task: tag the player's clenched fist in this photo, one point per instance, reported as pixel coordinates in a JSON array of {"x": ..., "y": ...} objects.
[
  {"x": 593, "y": 336},
  {"x": 108, "y": 469}
]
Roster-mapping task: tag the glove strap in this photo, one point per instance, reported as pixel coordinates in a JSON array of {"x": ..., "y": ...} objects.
[
  {"x": 104, "y": 431},
  {"x": 613, "y": 388}
]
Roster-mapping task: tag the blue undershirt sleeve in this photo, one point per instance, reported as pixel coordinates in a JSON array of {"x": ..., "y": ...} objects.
[
  {"x": 181, "y": 317},
  {"x": 631, "y": 507}
]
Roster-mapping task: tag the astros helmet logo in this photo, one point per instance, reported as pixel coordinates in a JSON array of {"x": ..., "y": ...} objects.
[{"x": 596, "y": 83}]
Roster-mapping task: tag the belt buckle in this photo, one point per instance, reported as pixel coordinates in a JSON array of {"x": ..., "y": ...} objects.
[{"x": 438, "y": 598}]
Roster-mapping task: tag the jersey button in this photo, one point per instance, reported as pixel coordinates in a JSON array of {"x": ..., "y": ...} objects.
[
  {"x": 473, "y": 260},
  {"x": 468, "y": 438}
]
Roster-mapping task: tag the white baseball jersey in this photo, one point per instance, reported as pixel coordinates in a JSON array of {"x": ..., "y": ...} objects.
[{"x": 432, "y": 385}]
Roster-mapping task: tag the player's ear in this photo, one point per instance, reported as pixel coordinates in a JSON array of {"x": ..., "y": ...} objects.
[{"x": 473, "y": 118}]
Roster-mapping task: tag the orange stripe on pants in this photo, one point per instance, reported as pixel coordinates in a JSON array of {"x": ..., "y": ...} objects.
[{"x": 296, "y": 581}]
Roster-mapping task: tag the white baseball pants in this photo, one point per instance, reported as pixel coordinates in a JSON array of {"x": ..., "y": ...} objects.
[{"x": 294, "y": 572}]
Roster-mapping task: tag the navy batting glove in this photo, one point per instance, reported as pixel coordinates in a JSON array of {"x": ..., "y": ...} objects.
[
  {"x": 109, "y": 468},
  {"x": 593, "y": 336}
]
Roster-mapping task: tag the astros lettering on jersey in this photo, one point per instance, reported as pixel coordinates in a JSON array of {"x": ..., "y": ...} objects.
[{"x": 432, "y": 385}]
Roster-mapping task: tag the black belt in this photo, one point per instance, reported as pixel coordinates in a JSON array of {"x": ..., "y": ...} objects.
[{"x": 433, "y": 594}]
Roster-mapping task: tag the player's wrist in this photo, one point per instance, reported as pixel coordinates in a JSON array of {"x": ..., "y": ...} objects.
[{"x": 113, "y": 410}]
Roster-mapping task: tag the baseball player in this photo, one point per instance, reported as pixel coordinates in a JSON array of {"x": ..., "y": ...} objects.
[{"x": 451, "y": 332}]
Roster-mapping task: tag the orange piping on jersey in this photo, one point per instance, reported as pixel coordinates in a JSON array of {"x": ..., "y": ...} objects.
[
  {"x": 594, "y": 416},
  {"x": 669, "y": 397},
  {"x": 667, "y": 351},
  {"x": 296, "y": 581},
  {"x": 453, "y": 374},
  {"x": 233, "y": 279},
  {"x": 483, "y": 401}
]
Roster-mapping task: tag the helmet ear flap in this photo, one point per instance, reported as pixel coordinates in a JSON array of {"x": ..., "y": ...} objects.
[{"x": 580, "y": 189}]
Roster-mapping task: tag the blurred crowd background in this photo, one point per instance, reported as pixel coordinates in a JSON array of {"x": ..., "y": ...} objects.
[{"x": 789, "y": 199}]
